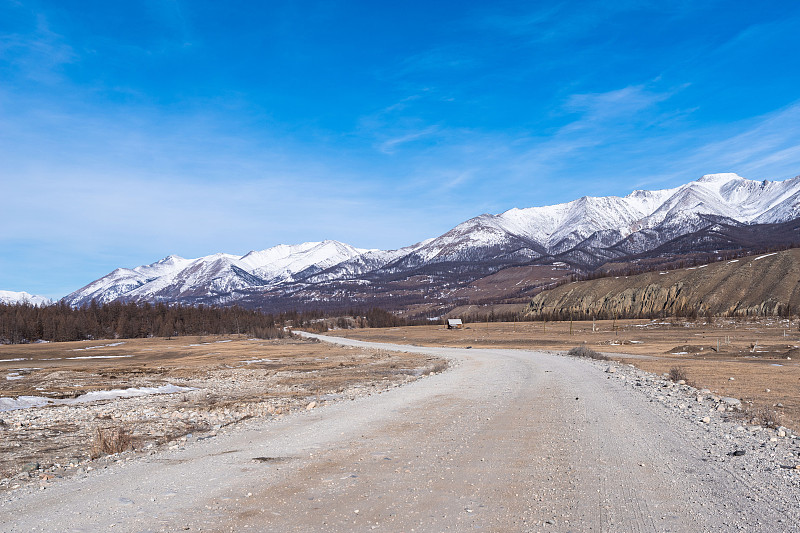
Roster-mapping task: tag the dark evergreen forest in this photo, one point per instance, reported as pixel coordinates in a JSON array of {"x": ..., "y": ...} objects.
[{"x": 23, "y": 323}]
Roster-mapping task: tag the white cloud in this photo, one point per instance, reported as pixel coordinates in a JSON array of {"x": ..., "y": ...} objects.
[
  {"x": 764, "y": 145},
  {"x": 37, "y": 56},
  {"x": 389, "y": 146}
]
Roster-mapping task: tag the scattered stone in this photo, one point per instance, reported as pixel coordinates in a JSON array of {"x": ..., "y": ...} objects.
[
  {"x": 310, "y": 406},
  {"x": 610, "y": 370},
  {"x": 737, "y": 453},
  {"x": 706, "y": 420},
  {"x": 732, "y": 402},
  {"x": 30, "y": 467}
]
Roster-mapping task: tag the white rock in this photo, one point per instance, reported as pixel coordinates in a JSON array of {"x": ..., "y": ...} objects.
[{"x": 733, "y": 402}]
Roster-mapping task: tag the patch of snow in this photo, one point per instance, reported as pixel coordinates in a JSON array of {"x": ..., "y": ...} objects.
[
  {"x": 99, "y": 357},
  {"x": 763, "y": 256},
  {"x": 101, "y": 346},
  {"x": 24, "y": 402}
]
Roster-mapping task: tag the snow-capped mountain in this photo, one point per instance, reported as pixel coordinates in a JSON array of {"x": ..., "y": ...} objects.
[
  {"x": 584, "y": 233},
  {"x": 214, "y": 276},
  {"x": 556, "y": 229},
  {"x": 12, "y": 297}
]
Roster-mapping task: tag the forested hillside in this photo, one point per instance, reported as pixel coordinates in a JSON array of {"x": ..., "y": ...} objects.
[{"x": 59, "y": 322}]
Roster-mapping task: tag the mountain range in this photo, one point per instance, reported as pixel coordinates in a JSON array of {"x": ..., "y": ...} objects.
[
  {"x": 715, "y": 212},
  {"x": 13, "y": 297}
]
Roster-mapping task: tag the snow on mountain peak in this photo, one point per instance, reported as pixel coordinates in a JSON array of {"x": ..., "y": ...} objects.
[
  {"x": 12, "y": 297},
  {"x": 220, "y": 273},
  {"x": 596, "y": 227},
  {"x": 284, "y": 260},
  {"x": 722, "y": 177}
]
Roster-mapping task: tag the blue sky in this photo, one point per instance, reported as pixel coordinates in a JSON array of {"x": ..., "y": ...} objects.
[{"x": 133, "y": 130}]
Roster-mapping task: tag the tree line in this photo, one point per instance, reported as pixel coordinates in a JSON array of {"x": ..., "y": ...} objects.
[{"x": 24, "y": 323}]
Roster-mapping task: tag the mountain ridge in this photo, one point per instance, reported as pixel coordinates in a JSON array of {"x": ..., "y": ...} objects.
[
  {"x": 584, "y": 233},
  {"x": 20, "y": 297}
]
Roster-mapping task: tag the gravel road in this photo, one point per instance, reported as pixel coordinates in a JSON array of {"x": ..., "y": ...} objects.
[{"x": 506, "y": 440}]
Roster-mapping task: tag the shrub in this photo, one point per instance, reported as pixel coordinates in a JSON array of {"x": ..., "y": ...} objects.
[
  {"x": 677, "y": 373},
  {"x": 765, "y": 417},
  {"x": 585, "y": 351},
  {"x": 111, "y": 440}
]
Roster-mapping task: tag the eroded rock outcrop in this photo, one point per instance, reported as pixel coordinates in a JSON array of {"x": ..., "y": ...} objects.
[{"x": 755, "y": 286}]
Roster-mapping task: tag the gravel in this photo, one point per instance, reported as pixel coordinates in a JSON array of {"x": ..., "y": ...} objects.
[{"x": 505, "y": 440}]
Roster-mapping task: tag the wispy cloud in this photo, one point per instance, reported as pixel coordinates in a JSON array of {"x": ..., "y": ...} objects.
[
  {"x": 624, "y": 103},
  {"x": 765, "y": 146},
  {"x": 38, "y": 54},
  {"x": 390, "y": 146},
  {"x": 168, "y": 126},
  {"x": 436, "y": 60}
]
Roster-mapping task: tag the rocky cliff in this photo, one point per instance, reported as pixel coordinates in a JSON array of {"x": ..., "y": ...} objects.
[{"x": 767, "y": 284}]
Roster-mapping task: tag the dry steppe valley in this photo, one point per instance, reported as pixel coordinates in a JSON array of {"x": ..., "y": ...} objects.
[{"x": 419, "y": 428}]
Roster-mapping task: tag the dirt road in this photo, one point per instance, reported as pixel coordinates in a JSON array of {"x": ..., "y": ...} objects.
[{"x": 505, "y": 440}]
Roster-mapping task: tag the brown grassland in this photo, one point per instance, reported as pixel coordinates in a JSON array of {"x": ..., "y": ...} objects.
[
  {"x": 233, "y": 378},
  {"x": 761, "y": 355}
]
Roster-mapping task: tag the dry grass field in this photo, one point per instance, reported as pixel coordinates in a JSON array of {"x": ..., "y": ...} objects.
[
  {"x": 223, "y": 380},
  {"x": 756, "y": 360}
]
